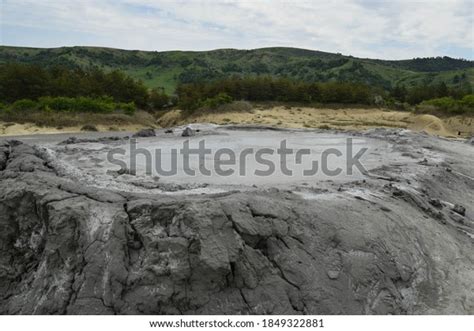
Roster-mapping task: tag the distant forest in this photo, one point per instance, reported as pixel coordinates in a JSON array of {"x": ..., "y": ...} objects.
[
  {"x": 106, "y": 79},
  {"x": 167, "y": 70}
]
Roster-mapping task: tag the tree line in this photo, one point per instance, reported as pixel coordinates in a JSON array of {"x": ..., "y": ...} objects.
[
  {"x": 433, "y": 64},
  {"x": 25, "y": 81},
  {"x": 59, "y": 87},
  {"x": 265, "y": 88},
  {"x": 418, "y": 94},
  {"x": 191, "y": 96}
]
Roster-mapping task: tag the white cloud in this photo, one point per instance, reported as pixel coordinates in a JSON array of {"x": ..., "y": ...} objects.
[{"x": 383, "y": 29}]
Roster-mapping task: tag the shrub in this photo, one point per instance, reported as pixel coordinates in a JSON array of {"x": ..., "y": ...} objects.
[
  {"x": 56, "y": 104},
  {"x": 449, "y": 104},
  {"x": 89, "y": 127},
  {"x": 80, "y": 104},
  {"x": 218, "y": 100},
  {"x": 468, "y": 102},
  {"x": 24, "y": 105},
  {"x": 102, "y": 105},
  {"x": 425, "y": 108},
  {"x": 127, "y": 108},
  {"x": 445, "y": 103},
  {"x": 236, "y": 106},
  {"x": 158, "y": 99},
  {"x": 397, "y": 105}
]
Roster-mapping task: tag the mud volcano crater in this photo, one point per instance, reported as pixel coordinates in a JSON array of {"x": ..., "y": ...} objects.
[{"x": 77, "y": 238}]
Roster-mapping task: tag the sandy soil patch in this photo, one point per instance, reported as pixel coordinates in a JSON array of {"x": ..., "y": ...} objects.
[
  {"x": 15, "y": 129},
  {"x": 290, "y": 117},
  {"x": 346, "y": 119},
  {"x": 40, "y": 123}
]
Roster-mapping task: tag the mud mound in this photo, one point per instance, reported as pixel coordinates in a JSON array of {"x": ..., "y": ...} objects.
[
  {"x": 430, "y": 124},
  {"x": 377, "y": 246}
]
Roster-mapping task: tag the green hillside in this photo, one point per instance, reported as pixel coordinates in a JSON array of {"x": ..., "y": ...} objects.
[{"x": 167, "y": 69}]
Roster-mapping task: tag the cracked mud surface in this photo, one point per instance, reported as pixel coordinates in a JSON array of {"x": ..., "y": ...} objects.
[{"x": 397, "y": 241}]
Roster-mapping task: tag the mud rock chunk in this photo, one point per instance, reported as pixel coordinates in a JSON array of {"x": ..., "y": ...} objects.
[
  {"x": 456, "y": 217},
  {"x": 90, "y": 128},
  {"x": 188, "y": 132},
  {"x": 3, "y": 160},
  {"x": 333, "y": 274},
  {"x": 24, "y": 158},
  {"x": 69, "y": 141},
  {"x": 460, "y": 210},
  {"x": 75, "y": 140},
  {"x": 145, "y": 133},
  {"x": 436, "y": 203},
  {"x": 121, "y": 171},
  {"x": 3, "y": 156},
  {"x": 14, "y": 142}
]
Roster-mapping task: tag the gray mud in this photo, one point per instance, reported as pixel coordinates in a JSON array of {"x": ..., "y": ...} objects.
[{"x": 397, "y": 240}]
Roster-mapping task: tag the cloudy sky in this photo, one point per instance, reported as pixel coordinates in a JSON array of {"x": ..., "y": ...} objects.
[{"x": 392, "y": 29}]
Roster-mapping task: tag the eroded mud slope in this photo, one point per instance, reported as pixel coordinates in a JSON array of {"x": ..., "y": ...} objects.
[{"x": 70, "y": 249}]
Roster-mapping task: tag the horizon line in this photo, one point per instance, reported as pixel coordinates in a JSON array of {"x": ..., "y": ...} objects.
[{"x": 237, "y": 49}]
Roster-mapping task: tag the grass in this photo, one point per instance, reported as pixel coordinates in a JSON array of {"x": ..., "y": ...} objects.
[
  {"x": 48, "y": 119},
  {"x": 165, "y": 78}
]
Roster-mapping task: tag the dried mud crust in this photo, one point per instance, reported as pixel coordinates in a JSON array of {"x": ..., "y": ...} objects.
[{"x": 396, "y": 243}]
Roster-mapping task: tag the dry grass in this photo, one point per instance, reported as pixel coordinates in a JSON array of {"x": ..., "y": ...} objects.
[
  {"x": 44, "y": 122},
  {"x": 243, "y": 113},
  {"x": 327, "y": 118},
  {"x": 50, "y": 119}
]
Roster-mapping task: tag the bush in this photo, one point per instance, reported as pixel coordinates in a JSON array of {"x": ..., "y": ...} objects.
[
  {"x": 218, "y": 100},
  {"x": 236, "y": 107},
  {"x": 57, "y": 104},
  {"x": 89, "y": 127},
  {"x": 127, "y": 108},
  {"x": 24, "y": 105},
  {"x": 449, "y": 104},
  {"x": 80, "y": 104},
  {"x": 158, "y": 99},
  {"x": 468, "y": 102},
  {"x": 445, "y": 103},
  {"x": 102, "y": 105},
  {"x": 426, "y": 109}
]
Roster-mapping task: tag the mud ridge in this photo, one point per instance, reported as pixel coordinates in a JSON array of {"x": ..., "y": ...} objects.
[{"x": 404, "y": 247}]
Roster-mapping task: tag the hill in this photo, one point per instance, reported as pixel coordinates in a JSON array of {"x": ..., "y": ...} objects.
[{"x": 167, "y": 69}]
